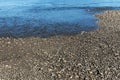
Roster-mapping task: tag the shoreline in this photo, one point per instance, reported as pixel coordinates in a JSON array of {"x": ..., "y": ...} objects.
[{"x": 84, "y": 56}]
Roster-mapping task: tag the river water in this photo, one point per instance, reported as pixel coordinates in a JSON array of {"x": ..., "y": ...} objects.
[{"x": 44, "y": 18}]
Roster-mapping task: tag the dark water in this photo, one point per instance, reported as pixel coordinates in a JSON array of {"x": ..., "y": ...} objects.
[{"x": 44, "y": 18}]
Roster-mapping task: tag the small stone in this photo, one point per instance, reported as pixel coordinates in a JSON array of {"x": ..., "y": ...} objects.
[
  {"x": 77, "y": 76},
  {"x": 82, "y": 32},
  {"x": 7, "y": 66},
  {"x": 9, "y": 42},
  {"x": 79, "y": 64},
  {"x": 50, "y": 70}
]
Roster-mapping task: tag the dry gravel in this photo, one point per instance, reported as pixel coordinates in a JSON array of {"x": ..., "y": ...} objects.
[{"x": 86, "y": 56}]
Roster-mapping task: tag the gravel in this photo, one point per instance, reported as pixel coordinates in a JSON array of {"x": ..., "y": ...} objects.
[{"x": 91, "y": 55}]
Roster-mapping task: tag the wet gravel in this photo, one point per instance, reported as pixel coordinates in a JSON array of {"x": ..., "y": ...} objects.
[{"x": 86, "y": 56}]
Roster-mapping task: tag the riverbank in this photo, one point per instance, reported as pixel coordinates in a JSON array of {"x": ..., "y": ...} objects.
[{"x": 85, "y": 56}]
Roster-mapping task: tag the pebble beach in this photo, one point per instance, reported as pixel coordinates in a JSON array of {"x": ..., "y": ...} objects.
[{"x": 93, "y": 55}]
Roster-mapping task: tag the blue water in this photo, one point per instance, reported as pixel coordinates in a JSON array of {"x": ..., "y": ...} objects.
[{"x": 44, "y": 18}]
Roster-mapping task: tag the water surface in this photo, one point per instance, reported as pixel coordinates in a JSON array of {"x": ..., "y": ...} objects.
[{"x": 43, "y": 18}]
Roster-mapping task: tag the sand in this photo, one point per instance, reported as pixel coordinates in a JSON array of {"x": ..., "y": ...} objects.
[{"x": 91, "y": 55}]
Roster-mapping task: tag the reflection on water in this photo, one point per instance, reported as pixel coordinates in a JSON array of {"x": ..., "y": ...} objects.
[{"x": 50, "y": 17}]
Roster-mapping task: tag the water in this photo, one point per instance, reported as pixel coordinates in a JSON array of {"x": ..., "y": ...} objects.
[{"x": 44, "y": 18}]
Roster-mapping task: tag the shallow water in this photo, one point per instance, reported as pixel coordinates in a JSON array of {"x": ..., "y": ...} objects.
[{"x": 26, "y": 18}]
